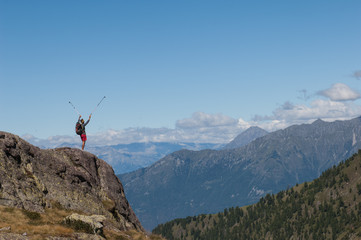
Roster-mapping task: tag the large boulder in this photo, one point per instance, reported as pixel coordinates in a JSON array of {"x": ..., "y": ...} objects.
[
  {"x": 92, "y": 224},
  {"x": 35, "y": 179}
]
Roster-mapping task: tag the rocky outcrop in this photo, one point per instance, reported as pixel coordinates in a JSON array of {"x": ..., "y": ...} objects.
[
  {"x": 93, "y": 224},
  {"x": 35, "y": 179}
]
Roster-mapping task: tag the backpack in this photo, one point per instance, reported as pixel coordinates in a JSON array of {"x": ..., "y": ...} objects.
[{"x": 78, "y": 128}]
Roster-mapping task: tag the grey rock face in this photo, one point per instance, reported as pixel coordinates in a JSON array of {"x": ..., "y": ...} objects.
[{"x": 35, "y": 179}]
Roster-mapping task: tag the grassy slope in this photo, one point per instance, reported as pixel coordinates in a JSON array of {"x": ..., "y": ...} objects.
[{"x": 39, "y": 226}]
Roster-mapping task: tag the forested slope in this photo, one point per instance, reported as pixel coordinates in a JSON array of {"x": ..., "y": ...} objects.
[{"x": 326, "y": 208}]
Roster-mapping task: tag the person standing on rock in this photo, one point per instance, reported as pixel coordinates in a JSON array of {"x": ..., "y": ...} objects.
[{"x": 80, "y": 129}]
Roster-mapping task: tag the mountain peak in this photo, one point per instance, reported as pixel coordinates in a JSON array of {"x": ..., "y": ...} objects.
[
  {"x": 246, "y": 137},
  {"x": 318, "y": 121},
  {"x": 34, "y": 179}
]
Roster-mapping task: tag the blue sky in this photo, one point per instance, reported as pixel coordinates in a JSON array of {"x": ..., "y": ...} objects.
[{"x": 208, "y": 69}]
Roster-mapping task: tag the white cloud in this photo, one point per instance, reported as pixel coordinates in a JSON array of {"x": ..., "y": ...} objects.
[
  {"x": 289, "y": 114},
  {"x": 204, "y": 120},
  {"x": 340, "y": 92},
  {"x": 54, "y": 141},
  {"x": 130, "y": 135},
  {"x": 338, "y": 107},
  {"x": 218, "y": 128},
  {"x": 200, "y": 128}
]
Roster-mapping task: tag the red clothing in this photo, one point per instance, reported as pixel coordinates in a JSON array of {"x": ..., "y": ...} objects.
[{"x": 83, "y": 137}]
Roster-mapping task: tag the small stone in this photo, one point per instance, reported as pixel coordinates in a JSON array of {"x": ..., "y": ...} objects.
[{"x": 5, "y": 229}]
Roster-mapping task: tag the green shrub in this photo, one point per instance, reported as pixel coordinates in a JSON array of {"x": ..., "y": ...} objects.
[
  {"x": 9, "y": 210},
  {"x": 121, "y": 238},
  {"x": 79, "y": 226},
  {"x": 34, "y": 216}
]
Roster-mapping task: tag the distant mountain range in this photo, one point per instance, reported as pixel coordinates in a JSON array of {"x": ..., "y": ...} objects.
[
  {"x": 326, "y": 208},
  {"x": 187, "y": 183},
  {"x": 130, "y": 157}
]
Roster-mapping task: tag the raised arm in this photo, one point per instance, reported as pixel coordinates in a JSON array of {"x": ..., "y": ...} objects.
[{"x": 88, "y": 120}]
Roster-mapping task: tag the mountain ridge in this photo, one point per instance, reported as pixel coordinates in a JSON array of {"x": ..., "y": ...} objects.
[
  {"x": 246, "y": 137},
  {"x": 329, "y": 207},
  {"x": 129, "y": 157},
  {"x": 208, "y": 181}
]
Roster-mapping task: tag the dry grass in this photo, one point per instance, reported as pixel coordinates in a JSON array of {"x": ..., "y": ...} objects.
[
  {"x": 39, "y": 225},
  {"x": 47, "y": 224},
  {"x": 129, "y": 235}
]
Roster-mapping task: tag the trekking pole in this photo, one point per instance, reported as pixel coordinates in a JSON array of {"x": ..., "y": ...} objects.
[
  {"x": 97, "y": 105},
  {"x": 74, "y": 107}
]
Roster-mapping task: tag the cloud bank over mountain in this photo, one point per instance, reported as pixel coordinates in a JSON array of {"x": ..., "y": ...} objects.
[{"x": 334, "y": 103}]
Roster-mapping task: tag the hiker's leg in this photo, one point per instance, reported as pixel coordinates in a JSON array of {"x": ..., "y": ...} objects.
[{"x": 83, "y": 138}]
